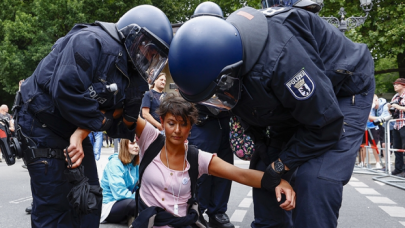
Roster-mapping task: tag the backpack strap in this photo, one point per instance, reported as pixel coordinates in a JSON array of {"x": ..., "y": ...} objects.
[
  {"x": 192, "y": 158},
  {"x": 152, "y": 151}
]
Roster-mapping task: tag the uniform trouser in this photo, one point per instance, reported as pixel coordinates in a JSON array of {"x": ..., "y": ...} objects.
[
  {"x": 399, "y": 143},
  {"x": 49, "y": 185},
  {"x": 319, "y": 182},
  {"x": 213, "y": 136},
  {"x": 96, "y": 139}
]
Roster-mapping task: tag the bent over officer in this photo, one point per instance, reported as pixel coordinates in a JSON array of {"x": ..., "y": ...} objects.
[
  {"x": 92, "y": 80},
  {"x": 286, "y": 68},
  {"x": 211, "y": 134}
]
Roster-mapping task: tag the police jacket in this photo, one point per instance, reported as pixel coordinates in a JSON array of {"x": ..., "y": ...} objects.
[
  {"x": 69, "y": 84},
  {"x": 293, "y": 87}
]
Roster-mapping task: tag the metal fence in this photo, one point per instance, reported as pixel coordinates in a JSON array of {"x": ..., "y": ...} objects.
[{"x": 383, "y": 175}]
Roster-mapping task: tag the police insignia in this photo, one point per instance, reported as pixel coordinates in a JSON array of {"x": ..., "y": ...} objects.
[{"x": 301, "y": 85}]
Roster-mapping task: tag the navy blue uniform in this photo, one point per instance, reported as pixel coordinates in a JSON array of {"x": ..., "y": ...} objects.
[
  {"x": 67, "y": 91},
  {"x": 212, "y": 135},
  {"x": 314, "y": 87}
]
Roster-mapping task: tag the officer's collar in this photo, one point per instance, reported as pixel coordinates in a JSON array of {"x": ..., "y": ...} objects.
[
  {"x": 253, "y": 29},
  {"x": 110, "y": 28}
]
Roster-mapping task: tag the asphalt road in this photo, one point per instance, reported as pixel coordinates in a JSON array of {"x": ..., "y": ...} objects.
[{"x": 366, "y": 203}]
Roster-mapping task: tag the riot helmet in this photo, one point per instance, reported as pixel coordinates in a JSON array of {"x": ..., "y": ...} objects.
[
  {"x": 208, "y": 56},
  {"x": 204, "y": 63},
  {"x": 147, "y": 34},
  {"x": 208, "y": 9},
  {"x": 311, "y": 5}
]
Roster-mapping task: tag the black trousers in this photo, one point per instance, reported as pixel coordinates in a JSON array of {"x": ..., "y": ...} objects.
[
  {"x": 121, "y": 210},
  {"x": 399, "y": 143}
]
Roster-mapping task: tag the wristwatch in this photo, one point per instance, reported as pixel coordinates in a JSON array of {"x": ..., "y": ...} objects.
[{"x": 279, "y": 167}]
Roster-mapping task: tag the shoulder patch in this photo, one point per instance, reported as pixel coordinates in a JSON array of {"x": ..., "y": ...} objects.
[
  {"x": 301, "y": 85},
  {"x": 269, "y": 12}
]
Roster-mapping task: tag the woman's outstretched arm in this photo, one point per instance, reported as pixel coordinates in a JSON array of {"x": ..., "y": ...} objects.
[{"x": 253, "y": 178}]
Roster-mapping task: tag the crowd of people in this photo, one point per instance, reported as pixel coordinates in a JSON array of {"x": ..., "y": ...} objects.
[
  {"x": 381, "y": 112},
  {"x": 300, "y": 124}
]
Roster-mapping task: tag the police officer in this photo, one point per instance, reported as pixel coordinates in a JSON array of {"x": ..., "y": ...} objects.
[
  {"x": 211, "y": 134},
  {"x": 286, "y": 68},
  {"x": 92, "y": 80}
]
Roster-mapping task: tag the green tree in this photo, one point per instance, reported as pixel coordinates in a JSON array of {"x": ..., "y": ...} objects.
[
  {"x": 28, "y": 30},
  {"x": 383, "y": 31}
]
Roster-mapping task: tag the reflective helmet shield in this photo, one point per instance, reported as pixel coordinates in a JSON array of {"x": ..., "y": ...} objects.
[{"x": 147, "y": 52}]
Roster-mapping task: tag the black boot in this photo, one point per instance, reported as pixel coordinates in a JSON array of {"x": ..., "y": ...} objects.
[
  {"x": 220, "y": 221},
  {"x": 29, "y": 209}
]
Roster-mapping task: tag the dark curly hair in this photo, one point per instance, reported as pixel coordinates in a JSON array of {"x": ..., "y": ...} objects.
[{"x": 176, "y": 105}]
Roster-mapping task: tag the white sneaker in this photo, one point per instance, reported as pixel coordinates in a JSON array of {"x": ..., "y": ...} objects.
[
  {"x": 361, "y": 164},
  {"x": 378, "y": 165}
]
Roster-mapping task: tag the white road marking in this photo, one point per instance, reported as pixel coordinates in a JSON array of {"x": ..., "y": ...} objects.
[
  {"x": 250, "y": 193},
  {"x": 367, "y": 191},
  {"x": 380, "y": 183},
  {"x": 21, "y": 200},
  {"x": 380, "y": 200},
  {"x": 403, "y": 223},
  {"x": 358, "y": 184},
  {"x": 246, "y": 202},
  {"x": 354, "y": 179},
  {"x": 394, "y": 211},
  {"x": 238, "y": 215}
]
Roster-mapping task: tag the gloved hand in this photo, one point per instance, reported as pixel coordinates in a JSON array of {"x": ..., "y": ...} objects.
[
  {"x": 133, "y": 98},
  {"x": 271, "y": 179}
]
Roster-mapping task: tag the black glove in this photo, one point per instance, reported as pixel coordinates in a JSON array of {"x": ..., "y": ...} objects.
[
  {"x": 133, "y": 98},
  {"x": 108, "y": 120},
  {"x": 270, "y": 179},
  {"x": 132, "y": 104}
]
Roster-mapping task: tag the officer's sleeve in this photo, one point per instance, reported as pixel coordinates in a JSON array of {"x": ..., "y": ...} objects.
[
  {"x": 308, "y": 94},
  {"x": 76, "y": 67},
  {"x": 115, "y": 174}
]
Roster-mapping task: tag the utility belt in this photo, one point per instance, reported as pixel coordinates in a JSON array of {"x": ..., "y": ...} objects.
[
  {"x": 21, "y": 146},
  {"x": 33, "y": 154}
]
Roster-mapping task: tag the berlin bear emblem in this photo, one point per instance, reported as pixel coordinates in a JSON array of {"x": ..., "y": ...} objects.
[{"x": 301, "y": 85}]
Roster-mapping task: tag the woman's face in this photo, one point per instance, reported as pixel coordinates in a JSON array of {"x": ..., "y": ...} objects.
[
  {"x": 176, "y": 130},
  {"x": 133, "y": 148}
]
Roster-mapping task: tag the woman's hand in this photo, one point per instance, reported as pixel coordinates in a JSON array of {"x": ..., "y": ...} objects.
[
  {"x": 285, "y": 188},
  {"x": 75, "y": 148}
]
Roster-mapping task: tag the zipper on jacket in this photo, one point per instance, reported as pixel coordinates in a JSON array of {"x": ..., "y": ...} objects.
[{"x": 129, "y": 81}]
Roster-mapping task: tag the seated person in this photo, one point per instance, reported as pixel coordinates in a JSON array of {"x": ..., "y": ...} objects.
[
  {"x": 119, "y": 178},
  {"x": 165, "y": 184}
]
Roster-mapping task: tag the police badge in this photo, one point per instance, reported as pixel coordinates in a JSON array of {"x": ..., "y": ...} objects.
[{"x": 301, "y": 85}]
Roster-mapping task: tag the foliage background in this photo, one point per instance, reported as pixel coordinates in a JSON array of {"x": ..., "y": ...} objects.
[{"x": 29, "y": 28}]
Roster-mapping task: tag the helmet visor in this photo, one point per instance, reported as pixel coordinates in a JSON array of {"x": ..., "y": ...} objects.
[
  {"x": 226, "y": 95},
  {"x": 147, "y": 52}
]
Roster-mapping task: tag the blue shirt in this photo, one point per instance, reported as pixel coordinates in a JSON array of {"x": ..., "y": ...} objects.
[{"x": 118, "y": 180}]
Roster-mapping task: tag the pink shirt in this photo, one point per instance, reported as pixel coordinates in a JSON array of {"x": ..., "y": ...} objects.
[{"x": 159, "y": 183}]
